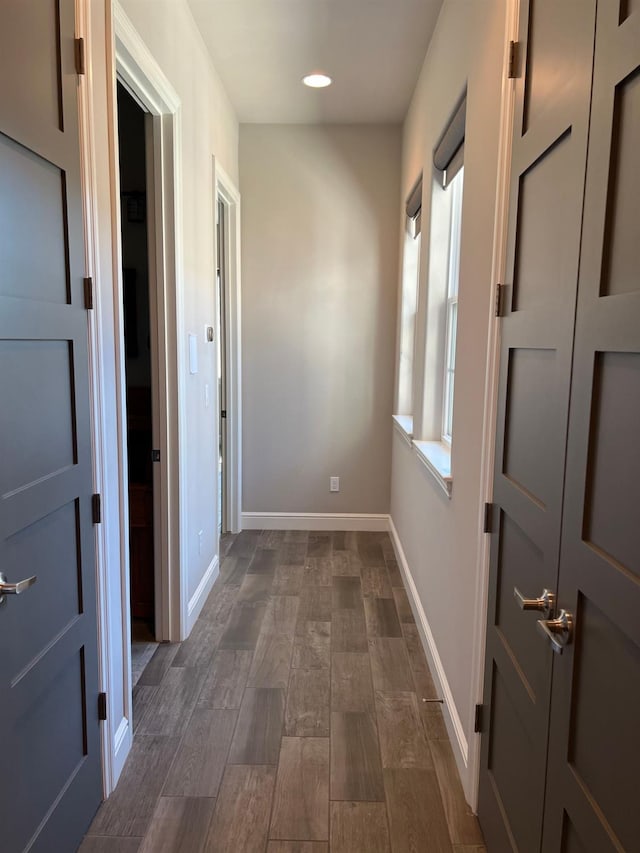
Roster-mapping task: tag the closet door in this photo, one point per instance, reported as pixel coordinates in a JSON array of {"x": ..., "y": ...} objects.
[
  {"x": 592, "y": 786},
  {"x": 550, "y": 135}
]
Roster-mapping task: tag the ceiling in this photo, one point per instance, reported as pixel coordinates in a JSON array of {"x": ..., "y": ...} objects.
[{"x": 373, "y": 49}]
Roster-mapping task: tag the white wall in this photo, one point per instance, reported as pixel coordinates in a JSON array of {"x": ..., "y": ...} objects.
[
  {"x": 319, "y": 272},
  {"x": 209, "y": 128},
  {"x": 440, "y": 537}
]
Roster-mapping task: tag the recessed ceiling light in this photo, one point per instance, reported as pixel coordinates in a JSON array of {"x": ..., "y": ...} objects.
[{"x": 317, "y": 80}]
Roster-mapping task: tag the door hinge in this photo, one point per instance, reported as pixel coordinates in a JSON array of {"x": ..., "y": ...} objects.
[
  {"x": 96, "y": 509},
  {"x": 488, "y": 518},
  {"x": 155, "y": 455},
  {"x": 102, "y": 706},
  {"x": 223, "y": 413},
  {"x": 88, "y": 293},
  {"x": 477, "y": 723},
  {"x": 501, "y": 290},
  {"x": 512, "y": 71},
  {"x": 80, "y": 56}
]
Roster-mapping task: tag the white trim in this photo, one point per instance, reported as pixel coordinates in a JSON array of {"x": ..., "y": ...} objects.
[
  {"x": 122, "y": 740},
  {"x": 197, "y": 600},
  {"x": 403, "y": 424},
  {"x": 452, "y": 718},
  {"x": 491, "y": 393},
  {"x": 227, "y": 191},
  {"x": 111, "y": 740},
  {"x": 436, "y": 458},
  {"x": 368, "y": 522}
]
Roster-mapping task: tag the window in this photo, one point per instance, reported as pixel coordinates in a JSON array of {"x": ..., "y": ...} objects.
[
  {"x": 435, "y": 431},
  {"x": 454, "y": 186},
  {"x": 409, "y": 304}
]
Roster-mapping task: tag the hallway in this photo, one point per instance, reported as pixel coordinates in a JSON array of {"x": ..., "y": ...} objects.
[{"x": 299, "y": 716}]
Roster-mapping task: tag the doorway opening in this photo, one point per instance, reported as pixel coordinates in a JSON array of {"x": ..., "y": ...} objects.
[{"x": 138, "y": 288}]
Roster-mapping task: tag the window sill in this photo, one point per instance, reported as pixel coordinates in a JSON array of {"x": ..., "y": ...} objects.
[
  {"x": 436, "y": 458},
  {"x": 404, "y": 426}
]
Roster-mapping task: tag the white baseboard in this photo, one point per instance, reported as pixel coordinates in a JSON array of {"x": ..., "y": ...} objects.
[
  {"x": 315, "y": 521},
  {"x": 197, "y": 600},
  {"x": 452, "y": 717},
  {"x": 122, "y": 740}
]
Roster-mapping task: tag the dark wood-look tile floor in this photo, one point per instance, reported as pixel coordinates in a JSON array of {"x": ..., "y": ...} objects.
[{"x": 299, "y": 717}]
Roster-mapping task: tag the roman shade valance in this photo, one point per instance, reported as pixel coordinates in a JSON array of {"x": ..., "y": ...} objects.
[{"x": 447, "y": 156}]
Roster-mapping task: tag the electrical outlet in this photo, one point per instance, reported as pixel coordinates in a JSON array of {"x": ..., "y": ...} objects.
[
  {"x": 200, "y": 532},
  {"x": 334, "y": 484}
]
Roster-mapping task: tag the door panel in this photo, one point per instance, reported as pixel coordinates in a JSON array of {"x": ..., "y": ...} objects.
[
  {"x": 594, "y": 735},
  {"x": 50, "y": 783},
  {"x": 546, "y": 197}
]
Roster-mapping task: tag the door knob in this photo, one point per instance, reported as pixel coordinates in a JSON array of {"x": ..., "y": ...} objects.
[
  {"x": 14, "y": 588},
  {"x": 544, "y": 604},
  {"x": 558, "y": 631}
]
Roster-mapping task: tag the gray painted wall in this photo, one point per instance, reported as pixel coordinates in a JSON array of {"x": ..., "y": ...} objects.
[{"x": 319, "y": 279}]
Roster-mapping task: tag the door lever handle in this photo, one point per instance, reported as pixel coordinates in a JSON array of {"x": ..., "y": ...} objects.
[
  {"x": 544, "y": 604},
  {"x": 14, "y": 588},
  {"x": 558, "y": 631}
]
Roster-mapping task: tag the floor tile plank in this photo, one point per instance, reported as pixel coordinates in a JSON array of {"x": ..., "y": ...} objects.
[
  {"x": 312, "y": 646},
  {"x": 315, "y": 605},
  {"x": 390, "y": 664},
  {"x": 201, "y": 757},
  {"x": 345, "y": 564},
  {"x": 241, "y": 817},
  {"x": 351, "y": 687},
  {"x": 245, "y": 543},
  {"x": 463, "y": 824},
  {"x": 281, "y": 615},
  {"x": 416, "y": 815},
  {"x": 404, "y": 608},
  {"x": 226, "y": 679},
  {"x": 403, "y": 742},
  {"x": 243, "y": 627},
  {"x": 259, "y": 727},
  {"x": 200, "y": 646},
  {"x": 375, "y": 582},
  {"x": 233, "y": 570},
  {"x": 319, "y": 545},
  {"x": 179, "y": 825},
  {"x": 395, "y": 575},
  {"x": 356, "y": 772},
  {"x": 298, "y": 847},
  {"x": 307, "y": 710},
  {"x": 173, "y": 703},
  {"x": 271, "y": 661},
  {"x": 263, "y": 562},
  {"x": 301, "y": 799},
  {"x": 104, "y": 844},
  {"x": 317, "y": 571},
  {"x": 382, "y": 618},
  {"x": 293, "y": 553},
  {"x": 359, "y": 827},
  {"x": 287, "y": 580},
  {"x": 129, "y": 808},
  {"x": 160, "y": 662},
  {"x": 417, "y": 659},
  {"x": 348, "y": 631},
  {"x": 143, "y": 698},
  {"x": 255, "y": 589},
  {"x": 347, "y": 593}
]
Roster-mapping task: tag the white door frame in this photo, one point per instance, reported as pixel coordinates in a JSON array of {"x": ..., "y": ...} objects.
[
  {"x": 128, "y": 58},
  {"x": 501, "y": 222},
  {"x": 226, "y": 191}
]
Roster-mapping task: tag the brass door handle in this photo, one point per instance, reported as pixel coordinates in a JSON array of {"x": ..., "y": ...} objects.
[
  {"x": 558, "y": 631},
  {"x": 14, "y": 588},
  {"x": 544, "y": 604}
]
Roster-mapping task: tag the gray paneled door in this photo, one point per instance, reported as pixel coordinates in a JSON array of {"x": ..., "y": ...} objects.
[
  {"x": 594, "y": 747},
  {"x": 50, "y": 772},
  {"x": 563, "y": 728}
]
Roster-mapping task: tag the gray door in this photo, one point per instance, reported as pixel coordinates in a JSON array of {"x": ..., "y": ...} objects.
[
  {"x": 546, "y": 197},
  {"x": 50, "y": 775},
  {"x": 594, "y": 747}
]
